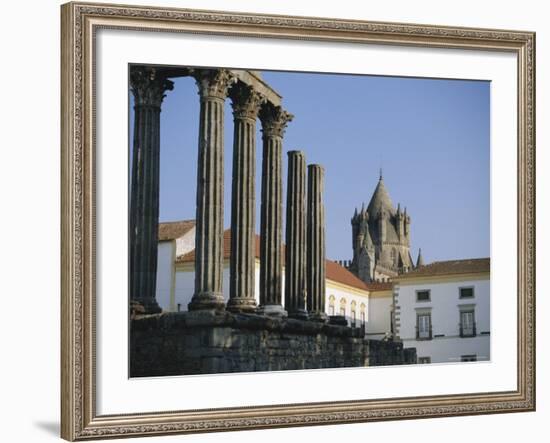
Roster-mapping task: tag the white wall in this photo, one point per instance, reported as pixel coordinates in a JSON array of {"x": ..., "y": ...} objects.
[
  {"x": 186, "y": 243},
  {"x": 379, "y": 321},
  {"x": 444, "y": 306},
  {"x": 165, "y": 269},
  {"x": 30, "y": 397},
  {"x": 185, "y": 283},
  {"x": 450, "y": 349}
]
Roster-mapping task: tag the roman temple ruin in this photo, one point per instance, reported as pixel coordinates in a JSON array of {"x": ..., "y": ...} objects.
[{"x": 288, "y": 328}]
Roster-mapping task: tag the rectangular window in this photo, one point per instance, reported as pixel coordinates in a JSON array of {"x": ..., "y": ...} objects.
[
  {"x": 362, "y": 319},
  {"x": 343, "y": 312},
  {"x": 466, "y": 292},
  {"x": 353, "y": 319},
  {"x": 471, "y": 357},
  {"x": 331, "y": 310},
  {"x": 423, "y": 295},
  {"x": 467, "y": 324},
  {"x": 424, "y": 326},
  {"x": 424, "y": 360}
]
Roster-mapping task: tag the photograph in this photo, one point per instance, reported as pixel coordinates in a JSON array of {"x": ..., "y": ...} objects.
[
  {"x": 275, "y": 221},
  {"x": 285, "y": 220},
  {"x": 280, "y": 220}
]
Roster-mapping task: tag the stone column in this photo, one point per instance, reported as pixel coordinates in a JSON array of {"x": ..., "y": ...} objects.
[
  {"x": 295, "y": 253},
  {"x": 148, "y": 88},
  {"x": 274, "y": 120},
  {"x": 246, "y": 104},
  {"x": 316, "y": 244},
  {"x": 213, "y": 85}
]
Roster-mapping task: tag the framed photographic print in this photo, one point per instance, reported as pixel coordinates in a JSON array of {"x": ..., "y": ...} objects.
[{"x": 283, "y": 221}]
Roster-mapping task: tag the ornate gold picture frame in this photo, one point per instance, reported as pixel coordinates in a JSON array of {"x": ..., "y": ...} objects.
[{"x": 80, "y": 23}]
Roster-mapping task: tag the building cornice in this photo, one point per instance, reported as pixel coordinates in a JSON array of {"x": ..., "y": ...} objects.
[
  {"x": 361, "y": 292},
  {"x": 190, "y": 267},
  {"x": 381, "y": 294},
  {"x": 404, "y": 280}
]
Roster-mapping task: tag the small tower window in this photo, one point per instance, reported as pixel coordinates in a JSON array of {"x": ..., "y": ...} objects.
[{"x": 393, "y": 255}]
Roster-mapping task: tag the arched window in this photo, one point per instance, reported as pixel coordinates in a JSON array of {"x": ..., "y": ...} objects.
[
  {"x": 353, "y": 313},
  {"x": 342, "y": 307},
  {"x": 363, "y": 314},
  {"x": 331, "y": 302}
]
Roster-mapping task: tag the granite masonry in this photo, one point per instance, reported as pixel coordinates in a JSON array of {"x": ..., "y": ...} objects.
[{"x": 209, "y": 342}]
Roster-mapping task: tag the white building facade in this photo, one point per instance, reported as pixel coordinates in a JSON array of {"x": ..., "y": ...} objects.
[
  {"x": 379, "y": 325},
  {"x": 346, "y": 295},
  {"x": 443, "y": 310}
]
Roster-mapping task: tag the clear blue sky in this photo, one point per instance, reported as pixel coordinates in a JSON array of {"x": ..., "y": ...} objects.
[{"x": 431, "y": 137}]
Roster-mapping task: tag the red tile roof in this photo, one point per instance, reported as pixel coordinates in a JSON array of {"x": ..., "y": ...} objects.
[
  {"x": 173, "y": 230},
  {"x": 451, "y": 267},
  {"x": 190, "y": 256},
  {"x": 339, "y": 274},
  {"x": 334, "y": 271},
  {"x": 379, "y": 286}
]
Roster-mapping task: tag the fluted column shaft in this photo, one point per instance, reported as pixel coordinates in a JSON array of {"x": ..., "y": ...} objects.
[
  {"x": 316, "y": 243},
  {"x": 295, "y": 257},
  {"x": 213, "y": 85},
  {"x": 274, "y": 120},
  {"x": 148, "y": 89},
  {"x": 246, "y": 104}
]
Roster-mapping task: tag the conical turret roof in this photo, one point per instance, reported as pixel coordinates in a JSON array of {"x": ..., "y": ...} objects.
[
  {"x": 420, "y": 259},
  {"x": 380, "y": 200}
]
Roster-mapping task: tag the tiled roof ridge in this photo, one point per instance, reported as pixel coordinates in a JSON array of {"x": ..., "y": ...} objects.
[
  {"x": 453, "y": 266},
  {"x": 334, "y": 271},
  {"x": 172, "y": 230}
]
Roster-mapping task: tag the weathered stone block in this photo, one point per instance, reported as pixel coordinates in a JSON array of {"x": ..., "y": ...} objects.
[{"x": 208, "y": 342}]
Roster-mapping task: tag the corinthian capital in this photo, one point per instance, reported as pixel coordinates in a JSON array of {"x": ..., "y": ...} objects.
[
  {"x": 246, "y": 101},
  {"x": 213, "y": 83},
  {"x": 148, "y": 86},
  {"x": 274, "y": 120}
]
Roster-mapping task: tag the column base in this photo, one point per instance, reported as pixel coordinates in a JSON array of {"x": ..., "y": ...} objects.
[
  {"x": 207, "y": 300},
  {"x": 272, "y": 310},
  {"x": 300, "y": 314},
  {"x": 339, "y": 320},
  {"x": 320, "y": 317},
  {"x": 144, "y": 307},
  {"x": 241, "y": 304}
]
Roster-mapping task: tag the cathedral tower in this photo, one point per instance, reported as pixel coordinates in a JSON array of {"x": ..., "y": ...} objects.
[{"x": 381, "y": 238}]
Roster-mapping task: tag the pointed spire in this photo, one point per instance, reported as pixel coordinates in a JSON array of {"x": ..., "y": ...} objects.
[
  {"x": 380, "y": 200},
  {"x": 419, "y": 260},
  {"x": 381, "y": 177}
]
